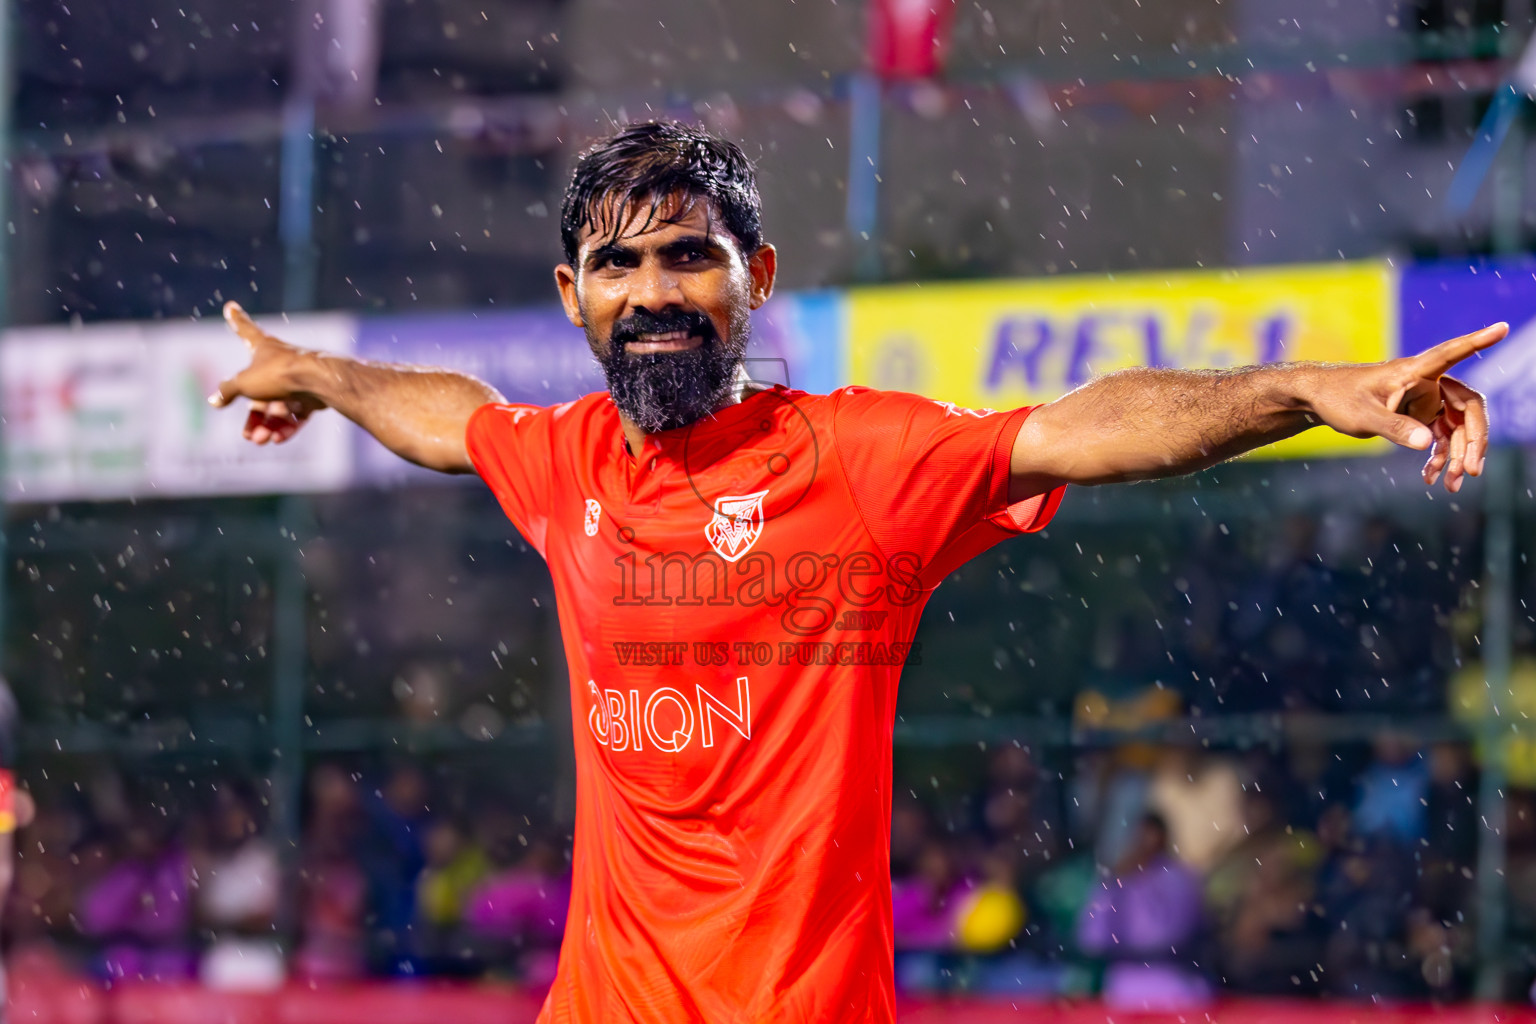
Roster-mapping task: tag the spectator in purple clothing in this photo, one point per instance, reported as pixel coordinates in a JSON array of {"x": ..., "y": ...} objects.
[
  {"x": 924, "y": 901},
  {"x": 1146, "y": 920},
  {"x": 523, "y": 907},
  {"x": 924, "y": 905},
  {"x": 141, "y": 908}
]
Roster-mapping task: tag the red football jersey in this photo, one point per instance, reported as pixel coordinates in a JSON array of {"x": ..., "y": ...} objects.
[{"x": 736, "y": 602}]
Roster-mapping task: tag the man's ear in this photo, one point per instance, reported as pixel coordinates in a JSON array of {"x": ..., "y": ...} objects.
[
  {"x": 565, "y": 280},
  {"x": 763, "y": 265}
]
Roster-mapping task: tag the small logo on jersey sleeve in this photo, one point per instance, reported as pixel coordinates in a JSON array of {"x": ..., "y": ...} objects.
[
  {"x": 594, "y": 515},
  {"x": 736, "y": 525},
  {"x": 951, "y": 409}
]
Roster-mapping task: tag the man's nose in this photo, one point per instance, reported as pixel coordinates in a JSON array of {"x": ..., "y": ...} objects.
[{"x": 654, "y": 287}]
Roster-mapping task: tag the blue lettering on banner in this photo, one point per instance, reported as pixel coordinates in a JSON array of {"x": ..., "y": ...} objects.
[
  {"x": 1007, "y": 352},
  {"x": 1025, "y": 347}
]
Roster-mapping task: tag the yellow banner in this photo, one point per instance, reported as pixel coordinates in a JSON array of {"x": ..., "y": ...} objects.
[{"x": 1005, "y": 344}]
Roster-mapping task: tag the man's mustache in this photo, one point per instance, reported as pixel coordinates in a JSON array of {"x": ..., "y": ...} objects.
[{"x": 630, "y": 329}]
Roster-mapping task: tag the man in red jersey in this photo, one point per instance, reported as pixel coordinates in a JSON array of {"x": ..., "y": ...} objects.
[{"x": 740, "y": 570}]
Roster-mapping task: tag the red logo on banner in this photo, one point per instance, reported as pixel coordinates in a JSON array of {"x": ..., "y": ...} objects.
[{"x": 907, "y": 38}]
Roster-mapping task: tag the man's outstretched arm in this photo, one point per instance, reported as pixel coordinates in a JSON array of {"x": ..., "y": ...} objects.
[
  {"x": 1147, "y": 423},
  {"x": 419, "y": 413}
]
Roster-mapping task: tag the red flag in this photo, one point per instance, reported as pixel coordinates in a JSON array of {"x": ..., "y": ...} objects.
[{"x": 908, "y": 38}]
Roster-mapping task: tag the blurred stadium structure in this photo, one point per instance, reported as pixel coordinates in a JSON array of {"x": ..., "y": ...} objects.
[{"x": 337, "y": 688}]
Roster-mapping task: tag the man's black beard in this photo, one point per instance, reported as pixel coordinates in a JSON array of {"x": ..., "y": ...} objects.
[{"x": 666, "y": 390}]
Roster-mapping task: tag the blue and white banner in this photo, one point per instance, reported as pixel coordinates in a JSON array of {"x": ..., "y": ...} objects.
[{"x": 1445, "y": 300}]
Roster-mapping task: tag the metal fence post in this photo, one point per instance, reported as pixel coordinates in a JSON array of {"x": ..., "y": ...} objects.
[
  {"x": 865, "y": 92},
  {"x": 296, "y": 211},
  {"x": 7, "y": 73},
  {"x": 294, "y": 521},
  {"x": 1498, "y": 596}
]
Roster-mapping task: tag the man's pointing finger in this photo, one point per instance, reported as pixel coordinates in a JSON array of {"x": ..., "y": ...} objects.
[
  {"x": 1435, "y": 361},
  {"x": 242, "y": 324}
]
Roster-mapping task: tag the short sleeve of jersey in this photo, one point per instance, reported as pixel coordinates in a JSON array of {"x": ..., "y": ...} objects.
[
  {"x": 931, "y": 477},
  {"x": 512, "y": 448}
]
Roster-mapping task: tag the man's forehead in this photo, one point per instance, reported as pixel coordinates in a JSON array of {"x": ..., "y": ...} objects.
[{"x": 636, "y": 218}]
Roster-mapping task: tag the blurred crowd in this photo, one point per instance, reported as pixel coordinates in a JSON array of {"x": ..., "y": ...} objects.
[
  {"x": 1158, "y": 875},
  {"x": 1164, "y": 875},
  {"x": 113, "y": 886}
]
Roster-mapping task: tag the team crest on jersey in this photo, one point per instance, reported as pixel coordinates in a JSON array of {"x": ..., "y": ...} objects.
[
  {"x": 736, "y": 525},
  {"x": 594, "y": 515}
]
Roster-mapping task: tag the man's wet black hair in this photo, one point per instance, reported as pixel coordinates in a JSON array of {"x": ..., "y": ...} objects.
[{"x": 650, "y": 162}]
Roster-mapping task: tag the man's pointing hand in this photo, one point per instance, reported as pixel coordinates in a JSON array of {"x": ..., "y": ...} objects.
[
  {"x": 277, "y": 410},
  {"x": 1410, "y": 401},
  {"x": 1461, "y": 426}
]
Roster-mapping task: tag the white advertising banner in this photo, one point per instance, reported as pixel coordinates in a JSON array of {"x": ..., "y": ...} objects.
[
  {"x": 76, "y": 412},
  {"x": 121, "y": 410}
]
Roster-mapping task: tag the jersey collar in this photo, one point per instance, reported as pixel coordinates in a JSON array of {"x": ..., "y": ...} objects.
[{"x": 720, "y": 419}]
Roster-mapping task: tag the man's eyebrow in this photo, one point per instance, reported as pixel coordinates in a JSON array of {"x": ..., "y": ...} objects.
[
  {"x": 710, "y": 244},
  {"x": 607, "y": 251}
]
